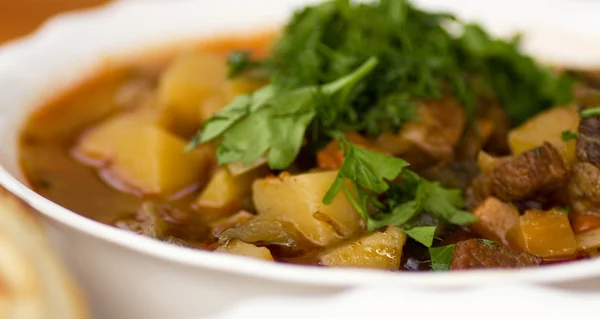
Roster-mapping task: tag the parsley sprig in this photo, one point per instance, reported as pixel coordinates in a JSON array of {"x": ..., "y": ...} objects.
[
  {"x": 384, "y": 192},
  {"x": 273, "y": 121}
]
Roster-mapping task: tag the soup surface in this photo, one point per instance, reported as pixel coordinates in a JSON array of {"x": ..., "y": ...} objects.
[{"x": 361, "y": 136}]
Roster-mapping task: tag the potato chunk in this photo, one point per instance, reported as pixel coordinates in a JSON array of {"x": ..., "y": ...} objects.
[
  {"x": 191, "y": 79},
  {"x": 299, "y": 201},
  {"x": 225, "y": 192},
  {"x": 547, "y": 127},
  {"x": 381, "y": 250},
  {"x": 99, "y": 144},
  {"x": 546, "y": 234},
  {"x": 238, "y": 247},
  {"x": 140, "y": 155},
  {"x": 494, "y": 219}
]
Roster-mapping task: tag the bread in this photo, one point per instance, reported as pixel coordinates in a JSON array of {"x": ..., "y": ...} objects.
[{"x": 33, "y": 281}]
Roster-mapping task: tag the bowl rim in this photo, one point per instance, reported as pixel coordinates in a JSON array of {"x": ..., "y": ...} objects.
[{"x": 308, "y": 275}]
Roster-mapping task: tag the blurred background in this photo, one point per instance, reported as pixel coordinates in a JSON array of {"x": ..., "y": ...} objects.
[{"x": 21, "y": 17}]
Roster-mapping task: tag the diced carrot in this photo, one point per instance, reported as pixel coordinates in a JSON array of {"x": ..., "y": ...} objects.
[
  {"x": 546, "y": 234},
  {"x": 584, "y": 221}
]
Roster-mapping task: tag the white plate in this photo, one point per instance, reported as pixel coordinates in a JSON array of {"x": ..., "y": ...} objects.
[{"x": 131, "y": 276}]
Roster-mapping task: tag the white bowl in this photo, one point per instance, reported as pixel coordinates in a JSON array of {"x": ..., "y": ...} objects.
[{"x": 129, "y": 276}]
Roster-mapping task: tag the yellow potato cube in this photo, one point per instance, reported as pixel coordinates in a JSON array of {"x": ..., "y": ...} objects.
[
  {"x": 98, "y": 145},
  {"x": 238, "y": 247},
  {"x": 190, "y": 80},
  {"x": 547, "y": 127},
  {"x": 142, "y": 156},
  {"x": 224, "y": 193},
  {"x": 380, "y": 250},
  {"x": 299, "y": 200}
]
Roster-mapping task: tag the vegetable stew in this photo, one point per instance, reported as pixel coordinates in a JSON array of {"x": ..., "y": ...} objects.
[{"x": 361, "y": 135}]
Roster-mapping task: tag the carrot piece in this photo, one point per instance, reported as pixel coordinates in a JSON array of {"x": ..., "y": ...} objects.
[{"x": 584, "y": 221}]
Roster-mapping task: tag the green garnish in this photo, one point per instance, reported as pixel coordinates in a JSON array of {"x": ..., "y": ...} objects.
[
  {"x": 422, "y": 234},
  {"x": 489, "y": 243},
  {"x": 420, "y": 59},
  {"x": 587, "y": 113},
  {"x": 441, "y": 257},
  {"x": 273, "y": 121},
  {"x": 365, "y": 177},
  {"x": 565, "y": 209},
  {"x": 537, "y": 150},
  {"x": 238, "y": 61},
  {"x": 568, "y": 135}
]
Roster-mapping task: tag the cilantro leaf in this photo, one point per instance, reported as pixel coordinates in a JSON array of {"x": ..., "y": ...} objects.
[
  {"x": 422, "y": 234},
  {"x": 441, "y": 257},
  {"x": 568, "y": 135},
  {"x": 270, "y": 120}
]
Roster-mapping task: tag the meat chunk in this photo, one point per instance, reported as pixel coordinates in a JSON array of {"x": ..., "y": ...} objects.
[
  {"x": 539, "y": 171},
  {"x": 475, "y": 253},
  {"x": 584, "y": 184},
  {"x": 588, "y": 141},
  {"x": 432, "y": 138}
]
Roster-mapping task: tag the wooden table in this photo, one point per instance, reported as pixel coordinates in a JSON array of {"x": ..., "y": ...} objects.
[{"x": 20, "y": 17}]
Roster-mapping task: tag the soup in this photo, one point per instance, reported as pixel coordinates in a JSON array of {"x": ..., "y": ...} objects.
[{"x": 363, "y": 135}]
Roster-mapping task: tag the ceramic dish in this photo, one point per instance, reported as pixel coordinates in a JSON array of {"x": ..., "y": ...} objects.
[{"x": 130, "y": 276}]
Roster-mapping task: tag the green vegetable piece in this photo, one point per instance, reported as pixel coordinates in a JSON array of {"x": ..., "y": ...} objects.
[{"x": 441, "y": 257}]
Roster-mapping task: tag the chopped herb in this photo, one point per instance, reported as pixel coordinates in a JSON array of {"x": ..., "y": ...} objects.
[
  {"x": 536, "y": 150},
  {"x": 423, "y": 234},
  {"x": 420, "y": 59},
  {"x": 568, "y": 135},
  {"x": 587, "y": 113},
  {"x": 441, "y": 257},
  {"x": 488, "y": 243},
  {"x": 272, "y": 121},
  {"x": 565, "y": 209},
  {"x": 369, "y": 174},
  {"x": 238, "y": 61}
]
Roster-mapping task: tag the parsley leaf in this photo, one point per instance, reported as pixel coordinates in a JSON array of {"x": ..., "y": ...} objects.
[
  {"x": 422, "y": 234},
  {"x": 431, "y": 197},
  {"x": 441, "y": 257},
  {"x": 444, "y": 203},
  {"x": 367, "y": 170},
  {"x": 271, "y": 120},
  {"x": 568, "y": 135}
]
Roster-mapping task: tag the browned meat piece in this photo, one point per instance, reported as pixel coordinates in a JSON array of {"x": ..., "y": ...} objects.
[
  {"x": 584, "y": 188},
  {"x": 536, "y": 172},
  {"x": 475, "y": 253},
  {"x": 584, "y": 184},
  {"x": 432, "y": 138},
  {"x": 588, "y": 140}
]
